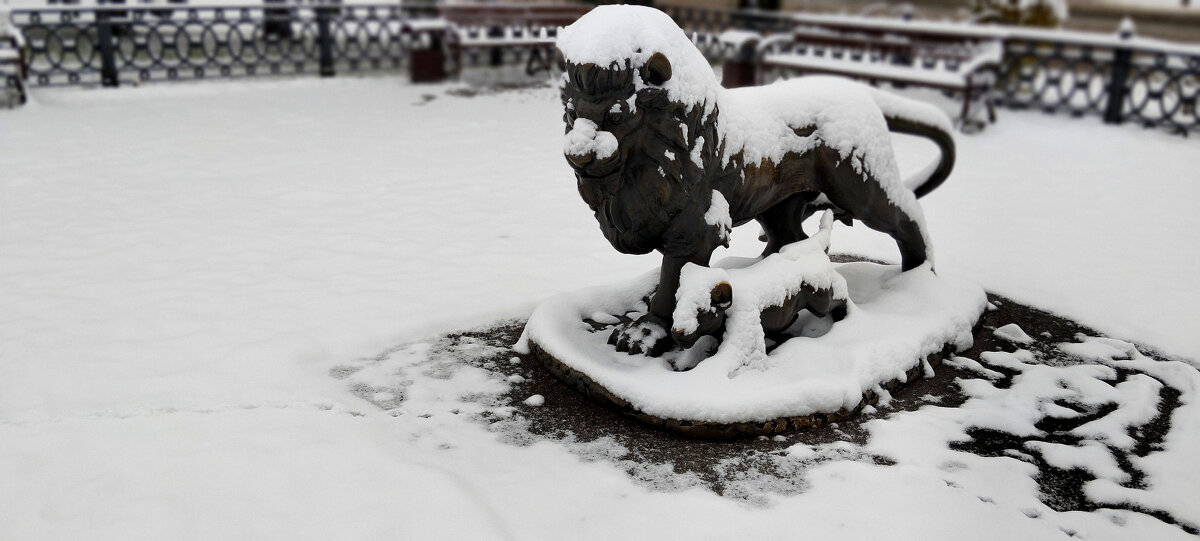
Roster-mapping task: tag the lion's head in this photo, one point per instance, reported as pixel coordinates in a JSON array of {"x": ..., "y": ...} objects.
[{"x": 630, "y": 138}]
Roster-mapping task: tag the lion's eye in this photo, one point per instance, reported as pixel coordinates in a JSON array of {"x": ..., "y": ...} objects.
[{"x": 614, "y": 117}]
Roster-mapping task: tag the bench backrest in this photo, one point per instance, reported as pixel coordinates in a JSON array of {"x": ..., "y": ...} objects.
[
  {"x": 925, "y": 41},
  {"x": 890, "y": 43}
]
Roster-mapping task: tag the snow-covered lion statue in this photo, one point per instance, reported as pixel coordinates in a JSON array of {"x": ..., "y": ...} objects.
[{"x": 668, "y": 160}]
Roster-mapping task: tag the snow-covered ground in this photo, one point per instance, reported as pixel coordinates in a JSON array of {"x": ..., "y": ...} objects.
[{"x": 182, "y": 266}]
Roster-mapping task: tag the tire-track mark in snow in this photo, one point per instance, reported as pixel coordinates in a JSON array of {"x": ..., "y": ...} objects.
[{"x": 141, "y": 413}]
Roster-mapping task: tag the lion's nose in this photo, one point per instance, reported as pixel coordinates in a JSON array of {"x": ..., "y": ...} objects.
[{"x": 580, "y": 160}]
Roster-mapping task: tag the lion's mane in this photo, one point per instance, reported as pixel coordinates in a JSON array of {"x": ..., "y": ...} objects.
[{"x": 658, "y": 178}]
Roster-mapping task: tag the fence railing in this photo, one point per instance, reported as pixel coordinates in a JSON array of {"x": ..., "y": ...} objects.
[
  {"x": 69, "y": 46},
  {"x": 1121, "y": 80},
  {"x": 1152, "y": 83}
]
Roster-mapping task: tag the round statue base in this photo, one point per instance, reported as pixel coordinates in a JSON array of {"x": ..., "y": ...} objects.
[{"x": 898, "y": 327}]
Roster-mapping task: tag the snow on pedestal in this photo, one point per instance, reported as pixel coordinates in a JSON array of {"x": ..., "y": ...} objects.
[{"x": 897, "y": 321}]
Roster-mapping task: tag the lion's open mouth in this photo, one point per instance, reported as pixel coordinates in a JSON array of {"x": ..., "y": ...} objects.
[
  {"x": 607, "y": 213},
  {"x": 619, "y": 229}
]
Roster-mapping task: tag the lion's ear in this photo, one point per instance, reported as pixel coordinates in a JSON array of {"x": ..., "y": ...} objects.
[
  {"x": 560, "y": 60},
  {"x": 657, "y": 70}
]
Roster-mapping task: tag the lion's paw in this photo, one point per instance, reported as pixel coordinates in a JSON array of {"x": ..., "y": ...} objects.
[{"x": 648, "y": 335}]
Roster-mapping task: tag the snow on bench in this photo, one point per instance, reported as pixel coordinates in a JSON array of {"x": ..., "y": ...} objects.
[
  {"x": 499, "y": 27},
  {"x": 862, "y": 68},
  {"x": 539, "y": 41},
  {"x": 943, "y": 56}
]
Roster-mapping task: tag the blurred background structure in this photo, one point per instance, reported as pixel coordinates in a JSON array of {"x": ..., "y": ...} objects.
[{"x": 1125, "y": 60}]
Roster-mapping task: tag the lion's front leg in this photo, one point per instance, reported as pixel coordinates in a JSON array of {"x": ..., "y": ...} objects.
[{"x": 651, "y": 333}]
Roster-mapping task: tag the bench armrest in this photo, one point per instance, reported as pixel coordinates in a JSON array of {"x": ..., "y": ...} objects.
[{"x": 766, "y": 43}]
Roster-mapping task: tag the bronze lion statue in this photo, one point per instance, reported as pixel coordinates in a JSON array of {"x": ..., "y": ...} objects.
[{"x": 668, "y": 160}]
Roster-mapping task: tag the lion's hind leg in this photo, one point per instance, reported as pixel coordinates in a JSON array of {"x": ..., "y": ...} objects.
[{"x": 862, "y": 196}]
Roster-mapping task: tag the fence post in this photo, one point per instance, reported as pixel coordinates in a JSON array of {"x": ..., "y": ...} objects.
[
  {"x": 108, "y": 60},
  {"x": 496, "y": 54},
  {"x": 325, "y": 40},
  {"x": 1118, "y": 84}
]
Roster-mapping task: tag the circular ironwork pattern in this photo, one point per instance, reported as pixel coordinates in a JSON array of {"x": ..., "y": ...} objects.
[
  {"x": 72, "y": 46},
  {"x": 167, "y": 43},
  {"x": 1165, "y": 91},
  {"x": 1053, "y": 78},
  {"x": 1157, "y": 88}
]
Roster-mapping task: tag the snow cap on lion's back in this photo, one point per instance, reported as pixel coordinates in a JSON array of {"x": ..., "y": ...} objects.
[{"x": 610, "y": 34}]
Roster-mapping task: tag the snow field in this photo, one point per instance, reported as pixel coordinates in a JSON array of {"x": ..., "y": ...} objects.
[
  {"x": 182, "y": 266},
  {"x": 1063, "y": 406}
]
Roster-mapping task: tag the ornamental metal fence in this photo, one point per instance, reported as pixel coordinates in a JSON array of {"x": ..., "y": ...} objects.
[
  {"x": 1136, "y": 80},
  {"x": 106, "y": 45},
  {"x": 1122, "y": 80}
]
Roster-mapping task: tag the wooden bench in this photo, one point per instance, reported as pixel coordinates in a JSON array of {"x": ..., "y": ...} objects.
[
  {"x": 949, "y": 57},
  {"x": 537, "y": 43},
  {"x": 495, "y": 28},
  {"x": 13, "y": 68}
]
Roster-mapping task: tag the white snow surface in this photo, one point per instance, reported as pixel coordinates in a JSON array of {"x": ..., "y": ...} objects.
[
  {"x": 718, "y": 215},
  {"x": 1013, "y": 333},
  {"x": 181, "y": 267}
]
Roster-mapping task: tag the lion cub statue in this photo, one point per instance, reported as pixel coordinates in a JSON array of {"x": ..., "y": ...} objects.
[{"x": 668, "y": 160}]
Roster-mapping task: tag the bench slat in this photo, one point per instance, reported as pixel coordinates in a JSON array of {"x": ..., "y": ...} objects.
[{"x": 871, "y": 70}]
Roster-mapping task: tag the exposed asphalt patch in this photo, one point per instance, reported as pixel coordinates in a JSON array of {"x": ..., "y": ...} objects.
[{"x": 747, "y": 468}]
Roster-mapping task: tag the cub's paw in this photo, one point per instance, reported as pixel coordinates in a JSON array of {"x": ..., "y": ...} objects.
[
  {"x": 710, "y": 318},
  {"x": 648, "y": 335}
]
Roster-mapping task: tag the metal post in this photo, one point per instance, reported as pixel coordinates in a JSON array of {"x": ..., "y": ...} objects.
[
  {"x": 496, "y": 54},
  {"x": 325, "y": 40},
  {"x": 1117, "y": 87},
  {"x": 108, "y": 60},
  {"x": 1118, "y": 84}
]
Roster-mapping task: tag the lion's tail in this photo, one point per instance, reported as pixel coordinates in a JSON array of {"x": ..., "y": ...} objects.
[{"x": 912, "y": 117}]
